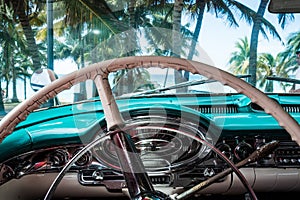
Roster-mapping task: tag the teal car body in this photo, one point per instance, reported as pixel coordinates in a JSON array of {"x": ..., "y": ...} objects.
[{"x": 73, "y": 124}]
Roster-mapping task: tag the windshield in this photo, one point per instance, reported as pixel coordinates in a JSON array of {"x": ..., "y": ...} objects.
[
  {"x": 240, "y": 37},
  {"x": 145, "y": 81}
]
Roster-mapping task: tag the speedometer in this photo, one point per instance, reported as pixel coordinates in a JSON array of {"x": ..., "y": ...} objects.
[{"x": 159, "y": 144}]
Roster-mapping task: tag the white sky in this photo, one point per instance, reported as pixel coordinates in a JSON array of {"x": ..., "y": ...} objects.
[
  {"x": 64, "y": 66},
  {"x": 220, "y": 48}
]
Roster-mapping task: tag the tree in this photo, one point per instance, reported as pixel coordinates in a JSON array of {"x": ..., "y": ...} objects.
[
  {"x": 220, "y": 8},
  {"x": 12, "y": 44},
  {"x": 176, "y": 38},
  {"x": 5, "y": 13},
  {"x": 239, "y": 61},
  {"x": 23, "y": 12},
  {"x": 268, "y": 65},
  {"x": 139, "y": 76},
  {"x": 254, "y": 40},
  {"x": 288, "y": 56},
  {"x": 224, "y": 8},
  {"x": 259, "y": 23}
]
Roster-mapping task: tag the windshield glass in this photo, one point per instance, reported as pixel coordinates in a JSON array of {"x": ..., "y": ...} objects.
[
  {"x": 240, "y": 37},
  {"x": 142, "y": 81}
]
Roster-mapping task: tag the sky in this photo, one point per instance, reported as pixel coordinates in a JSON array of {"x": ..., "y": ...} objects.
[
  {"x": 223, "y": 44},
  {"x": 219, "y": 45}
]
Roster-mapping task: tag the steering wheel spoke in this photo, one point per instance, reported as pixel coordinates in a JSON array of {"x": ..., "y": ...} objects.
[
  {"x": 112, "y": 113},
  {"x": 131, "y": 164}
]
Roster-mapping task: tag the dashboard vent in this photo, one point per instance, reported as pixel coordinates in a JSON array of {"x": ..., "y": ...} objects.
[
  {"x": 287, "y": 154},
  {"x": 287, "y": 108},
  {"x": 291, "y": 108},
  {"x": 202, "y": 173},
  {"x": 216, "y": 109},
  {"x": 160, "y": 179}
]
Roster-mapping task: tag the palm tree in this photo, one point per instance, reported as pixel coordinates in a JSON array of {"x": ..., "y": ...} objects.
[
  {"x": 2, "y": 109},
  {"x": 223, "y": 7},
  {"x": 159, "y": 31},
  {"x": 199, "y": 9},
  {"x": 139, "y": 76},
  {"x": 77, "y": 18},
  {"x": 293, "y": 45},
  {"x": 13, "y": 46},
  {"x": 176, "y": 38},
  {"x": 176, "y": 28},
  {"x": 24, "y": 14},
  {"x": 239, "y": 61},
  {"x": 267, "y": 65},
  {"x": 5, "y": 67},
  {"x": 258, "y": 27},
  {"x": 6, "y": 16},
  {"x": 23, "y": 74},
  {"x": 254, "y": 40}
]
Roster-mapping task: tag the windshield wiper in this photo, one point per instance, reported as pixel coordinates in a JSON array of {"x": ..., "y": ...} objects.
[
  {"x": 184, "y": 84},
  {"x": 179, "y": 85},
  {"x": 289, "y": 80}
]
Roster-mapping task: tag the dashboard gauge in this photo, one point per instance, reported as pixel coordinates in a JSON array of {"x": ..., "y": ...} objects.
[
  {"x": 242, "y": 150},
  {"x": 225, "y": 149},
  {"x": 159, "y": 144}
]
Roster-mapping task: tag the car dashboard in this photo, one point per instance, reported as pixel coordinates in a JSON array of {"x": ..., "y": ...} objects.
[{"x": 166, "y": 141}]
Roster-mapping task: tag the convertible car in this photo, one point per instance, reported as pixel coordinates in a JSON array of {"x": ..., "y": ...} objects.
[{"x": 133, "y": 131}]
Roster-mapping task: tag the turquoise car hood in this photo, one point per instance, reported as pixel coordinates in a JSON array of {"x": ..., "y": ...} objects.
[{"x": 79, "y": 123}]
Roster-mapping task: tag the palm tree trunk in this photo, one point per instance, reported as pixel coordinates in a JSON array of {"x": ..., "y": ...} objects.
[
  {"x": 196, "y": 35},
  {"x": 19, "y": 8},
  {"x": 14, "y": 82},
  {"x": 6, "y": 56},
  {"x": 83, "y": 91},
  {"x": 269, "y": 86},
  {"x": 2, "y": 110},
  {"x": 132, "y": 14},
  {"x": 25, "y": 86},
  {"x": 6, "y": 87},
  {"x": 132, "y": 38},
  {"x": 176, "y": 39},
  {"x": 254, "y": 40},
  {"x": 132, "y": 44},
  {"x": 177, "y": 13}
]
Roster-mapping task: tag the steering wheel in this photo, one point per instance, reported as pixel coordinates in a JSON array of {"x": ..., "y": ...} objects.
[{"x": 139, "y": 185}]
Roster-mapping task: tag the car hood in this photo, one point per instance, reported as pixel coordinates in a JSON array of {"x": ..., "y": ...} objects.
[{"x": 79, "y": 123}]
